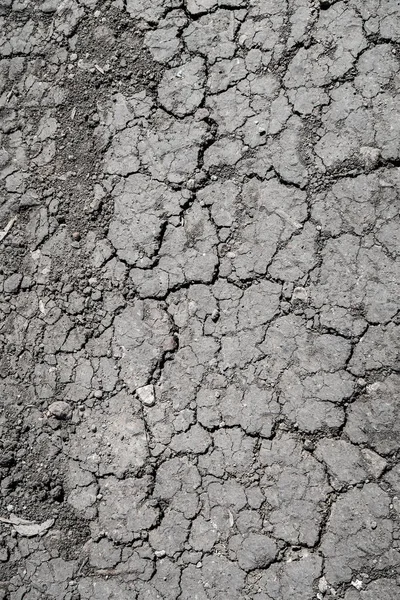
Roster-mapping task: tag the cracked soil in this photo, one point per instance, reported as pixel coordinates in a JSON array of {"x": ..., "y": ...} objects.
[{"x": 199, "y": 298}]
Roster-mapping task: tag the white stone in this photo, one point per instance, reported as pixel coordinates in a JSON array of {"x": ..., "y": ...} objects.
[{"x": 146, "y": 395}]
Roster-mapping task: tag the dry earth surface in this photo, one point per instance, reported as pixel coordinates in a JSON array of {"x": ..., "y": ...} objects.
[{"x": 199, "y": 296}]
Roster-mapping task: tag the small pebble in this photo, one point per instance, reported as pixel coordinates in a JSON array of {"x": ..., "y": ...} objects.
[
  {"x": 59, "y": 410},
  {"x": 357, "y": 583},
  {"x": 215, "y": 315},
  {"x": 76, "y": 236},
  {"x": 308, "y": 445},
  {"x": 146, "y": 395}
]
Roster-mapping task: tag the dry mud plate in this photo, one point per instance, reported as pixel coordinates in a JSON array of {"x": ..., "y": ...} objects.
[{"x": 199, "y": 296}]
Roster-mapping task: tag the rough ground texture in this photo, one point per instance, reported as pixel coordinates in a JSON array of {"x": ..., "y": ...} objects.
[{"x": 199, "y": 363}]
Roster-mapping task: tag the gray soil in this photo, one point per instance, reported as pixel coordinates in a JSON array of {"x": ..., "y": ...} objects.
[{"x": 199, "y": 298}]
